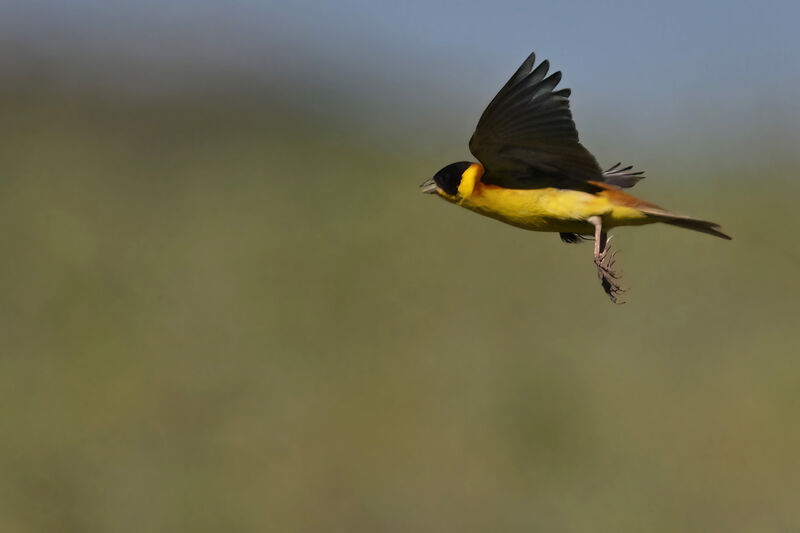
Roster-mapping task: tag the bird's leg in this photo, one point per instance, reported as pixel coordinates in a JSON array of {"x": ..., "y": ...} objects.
[{"x": 604, "y": 260}]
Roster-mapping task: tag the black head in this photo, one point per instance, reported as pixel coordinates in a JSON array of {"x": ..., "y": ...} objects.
[{"x": 449, "y": 178}]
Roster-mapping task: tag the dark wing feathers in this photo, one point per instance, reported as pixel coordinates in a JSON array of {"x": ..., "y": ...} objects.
[
  {"x": 526, "y": 137},
  {"x": 622, "y": 177}
]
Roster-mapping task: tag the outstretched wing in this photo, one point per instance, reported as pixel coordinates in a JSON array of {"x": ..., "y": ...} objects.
[
  {"x": 623, "y": 176},
  {"x": 526, "y": 137}
]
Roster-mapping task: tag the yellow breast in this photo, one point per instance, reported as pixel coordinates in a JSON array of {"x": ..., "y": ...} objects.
[{"x": 548, "y": 209}]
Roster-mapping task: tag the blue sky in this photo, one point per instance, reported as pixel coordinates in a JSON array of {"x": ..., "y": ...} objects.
[
  {"x": 643, "y": 64},
  {"x": 683, "y": 46},
  {"x": 672, "y": 34}
]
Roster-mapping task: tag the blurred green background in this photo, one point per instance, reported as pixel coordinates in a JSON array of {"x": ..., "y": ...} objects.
[{"x": 226, "y": 307}]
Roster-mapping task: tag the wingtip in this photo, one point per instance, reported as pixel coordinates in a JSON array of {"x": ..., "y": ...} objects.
[{"x": 529, "y": 61}]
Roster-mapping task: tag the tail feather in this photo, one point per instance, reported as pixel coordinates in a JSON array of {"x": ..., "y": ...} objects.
[
  {"x": 620, "y": 198},
  {"x": 699, "y": 225},
  {"x": 683, "y": 221}
]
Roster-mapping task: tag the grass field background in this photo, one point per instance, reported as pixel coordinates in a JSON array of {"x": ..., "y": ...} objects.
[{"x": 223, "y": 313}]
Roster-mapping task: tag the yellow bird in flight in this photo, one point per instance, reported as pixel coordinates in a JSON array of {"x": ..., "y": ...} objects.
[{"x": 536, "y": 175}]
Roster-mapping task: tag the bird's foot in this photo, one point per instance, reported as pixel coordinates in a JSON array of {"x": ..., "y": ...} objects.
[{"x": 608, "y": 277}]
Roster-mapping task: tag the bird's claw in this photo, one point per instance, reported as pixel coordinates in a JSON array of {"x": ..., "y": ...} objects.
[{"x": 608, "y": 277}]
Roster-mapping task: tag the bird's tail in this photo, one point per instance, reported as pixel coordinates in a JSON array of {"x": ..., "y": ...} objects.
[
  {"x": 683, "y": 221},
  {"x": 699, "y": 225}
]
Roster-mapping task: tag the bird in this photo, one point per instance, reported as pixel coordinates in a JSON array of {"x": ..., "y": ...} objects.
[{"x": 533, "y": 173}]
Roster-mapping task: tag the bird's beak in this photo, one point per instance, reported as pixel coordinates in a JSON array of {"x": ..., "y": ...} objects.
[{"x": 429, "y": 186}]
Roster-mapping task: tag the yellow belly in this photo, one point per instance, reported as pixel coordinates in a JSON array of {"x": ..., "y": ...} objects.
[{"x": 550, "y": 209}]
